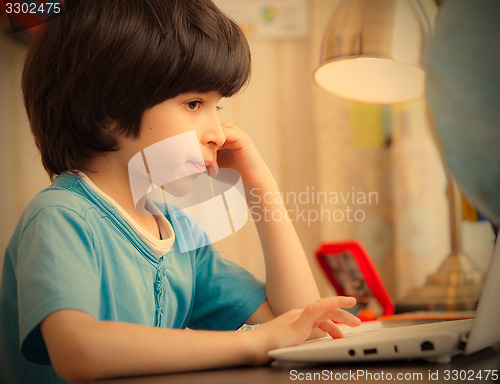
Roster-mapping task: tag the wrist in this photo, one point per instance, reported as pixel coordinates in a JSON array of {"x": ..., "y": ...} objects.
[{"x": 255, "y": 344}]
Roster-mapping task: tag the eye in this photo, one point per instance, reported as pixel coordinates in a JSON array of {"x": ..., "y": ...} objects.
[{"x": 194, "y": 105}]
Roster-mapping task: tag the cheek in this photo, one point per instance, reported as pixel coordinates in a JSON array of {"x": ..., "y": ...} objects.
[
  {"x": 170, "y": 159},
  {"x": 156, "y": 130},
  {"x": 152, "y": 135}
]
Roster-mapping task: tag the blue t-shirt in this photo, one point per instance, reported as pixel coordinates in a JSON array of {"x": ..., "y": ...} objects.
[{"x": 73, "y": 250}]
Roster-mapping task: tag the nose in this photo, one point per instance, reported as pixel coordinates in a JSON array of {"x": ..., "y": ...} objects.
[{"x": 213, "y": 134}]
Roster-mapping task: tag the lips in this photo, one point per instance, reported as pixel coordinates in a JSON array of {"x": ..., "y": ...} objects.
[
  {"x": 200, "y": 167},
  {"x": 209, "y": 166}
]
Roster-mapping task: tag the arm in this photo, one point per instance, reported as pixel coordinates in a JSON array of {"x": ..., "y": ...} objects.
[
  {"x": 289, "y": 280},
  {"x": 83, "y": 349}
]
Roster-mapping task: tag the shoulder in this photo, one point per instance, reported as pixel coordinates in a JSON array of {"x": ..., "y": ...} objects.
[
  {"x": 66, "y": 195},
  {"x": 55, "y": 216}
]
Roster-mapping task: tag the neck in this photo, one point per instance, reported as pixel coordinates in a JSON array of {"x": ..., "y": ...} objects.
[{"x": 112, "y": 178}]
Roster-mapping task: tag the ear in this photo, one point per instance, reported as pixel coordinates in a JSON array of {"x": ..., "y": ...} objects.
[
  {"x": 111, "y": 130},
  {"x": 111, "y": 125}
]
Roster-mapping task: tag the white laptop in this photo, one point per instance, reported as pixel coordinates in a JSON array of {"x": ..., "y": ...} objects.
[{"x": 437, "y": 342}]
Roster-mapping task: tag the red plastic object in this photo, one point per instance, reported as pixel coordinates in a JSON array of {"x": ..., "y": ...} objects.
[{"x": 352, "y": 273}]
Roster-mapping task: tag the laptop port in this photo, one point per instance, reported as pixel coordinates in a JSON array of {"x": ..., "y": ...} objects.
[
  {"x": 371, "y": 351},
  {"x": 427, "y": 346}
]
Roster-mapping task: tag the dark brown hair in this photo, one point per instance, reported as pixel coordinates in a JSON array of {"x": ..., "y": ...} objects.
[{"x": 110, "y": 60}]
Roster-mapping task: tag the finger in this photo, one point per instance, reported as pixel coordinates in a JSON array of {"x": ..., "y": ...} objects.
[
  {"x": 236, "y": 138},
  {"x": 340, "y": 316},
  {"x": 313, "y": 311},
  {"x": 228, "y": 125},
  {"x": 232, "y": 133},
  {"x": 319, "y": 310},
  {"x": 337, "y": 301},
  {"x": 345, "y": 301},
  {"x": 324, "y": 309},
  {"x": 330, "y": 328}
]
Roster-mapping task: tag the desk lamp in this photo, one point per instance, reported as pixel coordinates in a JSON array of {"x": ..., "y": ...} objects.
[{"x": 373, "y": 52}]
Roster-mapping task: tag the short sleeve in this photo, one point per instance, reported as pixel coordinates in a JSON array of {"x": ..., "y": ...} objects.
[
  {"x": 56, "y": 269},
  {"x": 225, "y": 295}
]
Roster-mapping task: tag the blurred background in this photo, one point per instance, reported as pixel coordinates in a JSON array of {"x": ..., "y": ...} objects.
[{"x": 348, "y": 170}]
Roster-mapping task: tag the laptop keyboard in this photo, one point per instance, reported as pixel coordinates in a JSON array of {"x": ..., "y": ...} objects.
[{"x": 456, "y": 326}]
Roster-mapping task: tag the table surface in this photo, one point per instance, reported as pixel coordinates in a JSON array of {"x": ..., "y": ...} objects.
[{"x": 463, "y": 369}]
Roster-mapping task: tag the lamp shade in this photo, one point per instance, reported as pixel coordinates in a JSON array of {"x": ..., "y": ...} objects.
[{"x": 373, "y": 51}]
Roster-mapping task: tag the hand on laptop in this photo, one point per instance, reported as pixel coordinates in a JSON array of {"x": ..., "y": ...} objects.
[{"x": 296, "y": 326}]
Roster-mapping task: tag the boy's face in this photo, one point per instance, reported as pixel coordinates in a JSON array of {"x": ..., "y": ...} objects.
[{"x": 181, "y": 155}]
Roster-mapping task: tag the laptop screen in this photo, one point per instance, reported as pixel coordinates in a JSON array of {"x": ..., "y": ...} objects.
[{"x": 485, "y": 330}]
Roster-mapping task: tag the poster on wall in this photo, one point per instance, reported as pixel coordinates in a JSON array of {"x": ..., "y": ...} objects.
[{"x": 269, "y": 19}]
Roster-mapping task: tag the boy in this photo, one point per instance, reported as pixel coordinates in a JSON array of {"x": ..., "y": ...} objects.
[{"x": 93, "y": 288}]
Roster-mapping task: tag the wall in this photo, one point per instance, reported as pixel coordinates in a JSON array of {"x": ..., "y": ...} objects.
[{"x": 22, "y": 174}]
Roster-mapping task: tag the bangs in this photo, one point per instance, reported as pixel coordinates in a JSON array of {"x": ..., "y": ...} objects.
[{"x": 212, "y": 56}]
